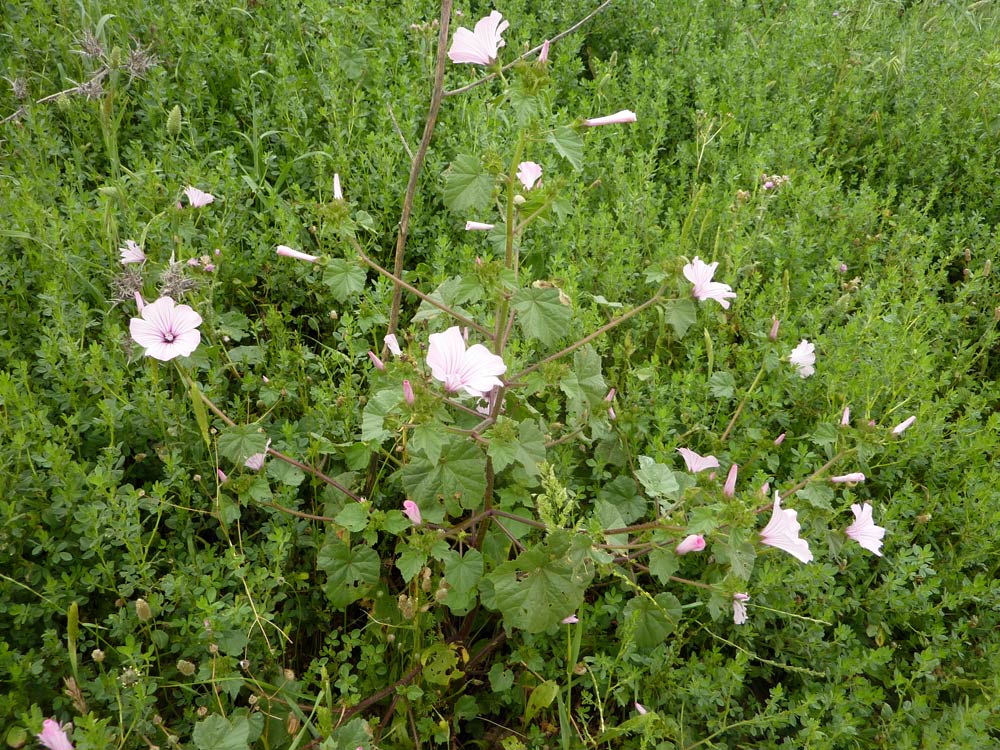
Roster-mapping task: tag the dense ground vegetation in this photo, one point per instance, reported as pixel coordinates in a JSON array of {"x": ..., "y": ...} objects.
[{"x": 839, "y": 162}]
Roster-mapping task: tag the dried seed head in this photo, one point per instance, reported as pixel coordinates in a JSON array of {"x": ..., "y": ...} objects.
[
  {"x": 19, "y": 88},
  {"x": 174, "y": 282},
  {"x": 140, "y": 60},
  {"x": 92, "y": 89},
  {"x": 185, "y": 667},
  {"x": 142, "y": 610},
  {"x": 90, "y": 46},
  {"x": 125, "y": 285}
]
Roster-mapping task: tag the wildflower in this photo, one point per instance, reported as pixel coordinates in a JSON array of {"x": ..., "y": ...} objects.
[
  {"x": 338, "y": 194},
  {"x": 640, "y": 708},
  {"x": 411, "y": 511},
  {"x": 842, "y": 268},
  {"x": 804, "y": 357},
  {"x": 864, "y": 531},
  {"x": 223, "y": 478},
  {"x": 166, "y": 330},
  {"x": 392, "y": 344},
  {"x": 379, "y": 364},
  {"x": 696, "y": 463},
  {"x": 256, "y": 461},
  {"x": 288, "y": 252},
  {"x": 765, "y": 489},
  {"x": 571, "y": 620},
  {"x": 131, "y": 253},
  {"x": 729, "y": 488},
  {"x": 543, "y": 56},
  {"x": 740, "y": 607},
  {"x": 408, "y": 393},
  {"x": 904, "y": 425},
  {"x": 700, "y": 274},
  {"x": 528, "y": 172},
  {"x": 473, "y": 370},
  {"x": 477, "y": 226},
  {"x": 53, "y": 736},
  {"x": 845, "y": 420},
  {"x": 198, "y": 198},
  {"x": 852, "y": 478},
  {"x": 780, "y": 439},
  {"x": 479, "y": 47},
  {"x": 611, "y": 409},
  {"x": 775, "y": 323},
  {"x": 691, "y": 543},
  {"x": 618, "y": 118},
  {"x": 782, "y": 531}
]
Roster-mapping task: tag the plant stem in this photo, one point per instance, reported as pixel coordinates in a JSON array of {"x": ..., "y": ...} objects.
[{"x": 743, "y": 403}]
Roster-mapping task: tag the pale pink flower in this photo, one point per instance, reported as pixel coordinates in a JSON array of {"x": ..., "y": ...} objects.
[
  {"x": 780, "y": 439},
  {"x": 700, "y": 274},
  {"x": 690, "y": 543},
  {"x": 775, "y": 324},
  {"x": 696, "y": 463},
  {"x": 338, "y": 194},
  {"x": 392, "y": 344},
  {"x": 479, "y": 47},
  {"x": 529, "y": 173},
  {"x": 473, "y": 370},
  {"x": 477, "y": 226},
  {"x": 571, "y": 620},
  {"x": 852, "y": 478},
  {"x": 412, "y": 511},
  {"x": 740, "y": 607},
  {"x": 288, "y": 252},
  {"x": 166, "y": 329},
  {"x": 803, "y": 357},
  {"x": 256, "y": 461},
  {"x": 543, "y": 56},
  {"x": 198, "y": 198},
  {"x": 618, "y": 118},
  {"x": 782, "y": 531},
  {"x": 379, "y": 364},
  {"x": 904, "y": 425},
  {"x": 729, "y": 488},
  {"x": 765, "y": 489},
  {"x": 845, "y": 420},
  {"x": 408, "y": 393},
  {"x": 131, "y": 253},
  {"x": 223, "y": 478},
  {"x": 611, "y": 409},
  {"x": 640, "y": 708},
  {"x": 864, "y": 531},
  {"x": 53, "y": 736},
  {"x": 843, "y": 268}
]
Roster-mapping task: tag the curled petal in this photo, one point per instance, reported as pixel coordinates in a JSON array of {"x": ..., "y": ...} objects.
[
  {"x": 852, "y": 478},
  {"x": 803, "y": 357},
  {"x": 696, "y": 463},
  {"x": 782, "y": 531},
  {"x": 904, "y": 425},
  {"x": 288, "y": 252},
  {"x": 864, "y": 531},
  {"x": 691, "y": 543},
  {"x": 198, "y": 198},
  {"x": 412, "y": 511},
  {"x": 479, "y": 47},
  {"x": 529, "y": 173},
  {"x": 700, "y": 275},
  {"x": 477, "y": 226},
  {"x": 474, "y": 370},
  {"x": 740, "y": 608},
  {"x": 618, "y": 118},
  {"x": 729, "y": 488}
]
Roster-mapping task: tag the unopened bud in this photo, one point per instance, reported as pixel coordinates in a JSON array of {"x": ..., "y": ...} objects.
[
  {"x": 174, "y": 121},
  {"x": 519, "y": 200},
  {"x": 408, "y": 393},
  {"x": 97, "y": 655},
  {"x": 142, "y": 610}
]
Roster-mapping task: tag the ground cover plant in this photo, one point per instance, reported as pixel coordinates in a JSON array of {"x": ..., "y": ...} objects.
[{"x": 567, "y": 374}]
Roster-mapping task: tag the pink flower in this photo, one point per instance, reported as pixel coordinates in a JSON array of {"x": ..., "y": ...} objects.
[
  {"x": 780, "y": 439},
  {"x": 804, "y": 357},
  {"x": 864, "y": 531},
  {"x": 845, "y": 420},
  {"x": 843, "y": 268},
  {"x": 543, "y": 56},
  {"x": 640, "y": 708},
  {"x": 288, "y": 252},
  {"x": 198, "y": 198},
  {"x": 411, "y": 511},
  {"x": 700, "y": 274},
  {"x": 392, "y": 344},
  {"x": 775, "y": 324},
  {"x": 222, "y": 476},
  {"x": 740, "y": 608},
  {"x": 904, "y": 425},
  {"x": 852, "y": 478},
  {"x": 54, "y": 736},
  {"x": 379, "y": 364},
  {"x": 782, "y": 531},
  {"x": 696, "y": 463},
  {"x": 473, "y": 370},
  {"x": 479, "y": 47},
  {"x": 765, "y": 489},
  {"x": 131, "y": 253},
  {"x": 571, "y": 620},
  {"x": 618, "y": 118},
  {"x": 691, "y": 543},
  {"x": 729, "y": 488},
  {"x": 338, "y": 194},
  {"x": 477, "y": 226},
  {"x": 528, "y": 173},
  {"x": 611, "y": 409},
  {"x": 166, "y": 330},
  {"x": 408, "y": 393},
  {"x": 256, "y": 461}
]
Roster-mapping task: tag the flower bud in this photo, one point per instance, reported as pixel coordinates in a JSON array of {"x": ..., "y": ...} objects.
[
  {"x": 691, "y": 543},
  {"x": 519, "y": 200},
  {"x": 408, "y": 393},
  {"x": 142, "y": 610},
  {"x": 185, "y": 667},
  {"x": 773, "y": 335}
]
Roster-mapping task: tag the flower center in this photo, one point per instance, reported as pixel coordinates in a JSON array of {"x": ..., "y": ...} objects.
[{"x": 168, "y": 337}]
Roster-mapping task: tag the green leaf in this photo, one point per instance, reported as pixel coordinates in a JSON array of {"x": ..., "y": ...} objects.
[
  {"x": 663, "y": 563},
  {"x": 658, "y": 480},
  {"x": 501, "y": 678},
  {"x": 681, "y": 315},
  {"x": 350, "y": 571},
  {"x": 818, "y": 495},
  {"x": 544, "y": 584},
  {"x": 462, "y": 572},
  {"x": 527, "y": 447},
  {"x": 410, "y": 562},
  {"x": 541, "y": 315},
  {"x": 454, "y": 293},
  {"x": 288, "y": 475},
  {"x": 737, "y": 552},
  {"x": 652, "y": 620},
  {"x": 216, "y": 733},
  {"x": 826, "y": 433},
  {"x": 722, "y": 385},
  {"x": 428, "y": 440},
  {"x": 704, "y": 519},
  {"x": 468, "y": 187},
  {"x": 584, "y": 385},
  {"x": 376, "y": 410},
  {"x": 460, "y": 475},
  {"x": 353, "y": 517},
  {"x": 569, "y": 144},
  {"x": 239, "y": 442},
  {"x": 541, "y": 697},
  {"x": 200, "y": 415},
  {"x": 623, "y": 493},
  {"x": 247, "y": 355},
  {"x": 345, "y": 278}
]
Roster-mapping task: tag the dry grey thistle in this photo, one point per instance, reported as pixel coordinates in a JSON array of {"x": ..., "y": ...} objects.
[
  {"x": 175, "y": 283},
  {"x": 19, "y": 88},
  {"x": 125, "y": 285},
  {"x": 90, "y": 46},
  {"x": 140, "y": 60}
]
